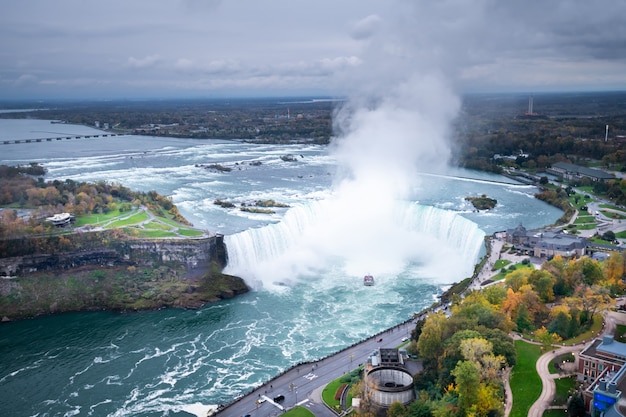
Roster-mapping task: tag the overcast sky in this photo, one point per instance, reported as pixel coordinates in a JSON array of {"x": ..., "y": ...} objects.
[{"x": 217, "y": 48}]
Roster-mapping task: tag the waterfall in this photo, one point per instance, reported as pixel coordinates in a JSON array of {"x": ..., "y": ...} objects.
[{"x": 314, "y": 237}]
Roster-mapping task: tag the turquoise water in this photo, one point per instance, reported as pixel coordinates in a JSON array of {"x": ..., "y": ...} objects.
[{"x": 306, "y": 272}]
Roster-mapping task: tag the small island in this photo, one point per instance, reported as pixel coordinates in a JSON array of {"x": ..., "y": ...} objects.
[{"x": 483, "y": 202}]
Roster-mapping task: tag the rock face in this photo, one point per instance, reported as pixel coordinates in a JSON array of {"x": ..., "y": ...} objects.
[
  {"x": 116, "y": 252},
  {"x": 102, "y": 271}
]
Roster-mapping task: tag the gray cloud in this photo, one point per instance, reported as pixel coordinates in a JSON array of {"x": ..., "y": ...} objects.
[{"x": 148, "y": 48}]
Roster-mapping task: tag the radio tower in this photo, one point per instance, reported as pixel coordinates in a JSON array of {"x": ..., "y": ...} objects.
[{"x": 530, "y": 106}]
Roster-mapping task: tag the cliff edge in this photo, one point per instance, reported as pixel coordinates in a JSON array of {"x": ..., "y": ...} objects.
[{"x": 106, "y": 270}]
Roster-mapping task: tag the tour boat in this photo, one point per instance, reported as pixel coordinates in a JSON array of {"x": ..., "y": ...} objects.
[{"x": 368, "y": 280}]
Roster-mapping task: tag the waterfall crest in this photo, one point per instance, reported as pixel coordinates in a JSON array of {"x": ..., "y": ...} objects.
[{"x": 313, "y": 238}]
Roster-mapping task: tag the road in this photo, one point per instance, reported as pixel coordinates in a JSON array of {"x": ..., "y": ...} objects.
[{"x": 303, "y": 384}]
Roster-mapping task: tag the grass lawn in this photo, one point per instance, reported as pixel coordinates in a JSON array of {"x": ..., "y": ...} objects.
[
  {"x": 612, "y": 207},
  {"x": 585, "y": 219},
  {"x": 501, "y": 275},
  {"x": 190, "y": 232},
  {"x": 134, "y": 219},
  {"x": 500, "y": 263},
  {"x": 328, "y": 395},
  {"x": 525, "y": 381},
  {"x": 154, "y": 234},
  {"x": 620, "y": 333},
  {"x": 97, "y": 218},
  {"x": 563, "y": 388},
  {"x": 299, "y": 412}
]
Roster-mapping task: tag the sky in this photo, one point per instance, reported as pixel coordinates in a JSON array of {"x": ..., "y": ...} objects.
[{"x": 229, "y": 48}]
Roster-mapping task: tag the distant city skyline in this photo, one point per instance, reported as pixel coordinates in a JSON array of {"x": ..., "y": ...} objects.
[{"x": 249, "y": 48}]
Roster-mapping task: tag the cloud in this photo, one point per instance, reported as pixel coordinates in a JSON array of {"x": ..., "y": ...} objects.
[
  {"x": 145, "y": 62},
  {"x": 365, "y": 27},
  {"x": 330, "y": 45}
]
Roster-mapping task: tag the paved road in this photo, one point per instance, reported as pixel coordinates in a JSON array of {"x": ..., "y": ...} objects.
[{"x": 303, "y": 384}]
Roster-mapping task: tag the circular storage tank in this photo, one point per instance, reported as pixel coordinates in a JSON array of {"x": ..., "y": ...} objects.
[{"x": 386, "y": 385}]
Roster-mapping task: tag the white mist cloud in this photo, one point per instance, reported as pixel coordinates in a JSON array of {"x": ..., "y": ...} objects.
[{"x": 394, "y": 124}]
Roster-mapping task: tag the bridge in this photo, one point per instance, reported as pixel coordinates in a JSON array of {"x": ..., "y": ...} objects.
[{"x": 104, "y": 135}]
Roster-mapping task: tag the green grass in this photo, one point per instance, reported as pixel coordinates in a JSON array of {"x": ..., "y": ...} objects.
[
  {"x": 190, "y": 232},
  {"x": 525, "y": 381},
  {"x": 134, "y": 219},
  {"x": 153, "y": 234},
  {"x": 563, "y": 388},
  {"x": 298, "y": 412},
  {"x": 585, "y": 219},
  {"x": 97, "y": 218},
  {"x": 157, "y": 225},
  {"x": 612, "y": 207},
  {"x": 500, "y": 263},
  {"x": 620, "y": 333},
  {"x": 328, "y": 394},
  {"x": 500, "y": 275},
  {"x": 613, "y": 215}
]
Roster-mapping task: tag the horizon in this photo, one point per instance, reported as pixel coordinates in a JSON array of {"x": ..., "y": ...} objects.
[{"x": 312, "y": 98}]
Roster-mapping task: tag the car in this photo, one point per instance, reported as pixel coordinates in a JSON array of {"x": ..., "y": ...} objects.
[
  {"x": 279, "y": 398},
  {"x": 404, "y": 339},
  {"x": 380, "y": 340}
]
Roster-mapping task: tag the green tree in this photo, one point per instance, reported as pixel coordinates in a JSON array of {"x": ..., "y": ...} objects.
[
  {"x": 524, "y": 321},
  {"x": 430, "y": 343},
  {"x": 419, "y": 409},
  {"x": 396, "y": 409},
  {"x": 467, "y": 380}
]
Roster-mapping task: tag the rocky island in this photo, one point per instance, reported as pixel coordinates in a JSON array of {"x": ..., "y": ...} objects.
[
  {"x": 483, "y": 202},
  {"x": 137, "y": 253}
]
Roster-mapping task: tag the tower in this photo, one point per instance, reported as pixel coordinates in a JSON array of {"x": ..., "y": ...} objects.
[{"x": 529, "y": 112}]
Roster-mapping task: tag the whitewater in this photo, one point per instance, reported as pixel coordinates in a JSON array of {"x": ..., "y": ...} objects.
[{"x": 307, "y": 299}]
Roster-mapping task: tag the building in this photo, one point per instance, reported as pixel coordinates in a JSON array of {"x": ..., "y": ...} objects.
[
  {"x": 603, "y": 376},
  {"x": 573, "y": 172},
  {"x": 547, "y": 243},
  {"x": 387, "y": 379},
  {"x": 61, "y": 219}
]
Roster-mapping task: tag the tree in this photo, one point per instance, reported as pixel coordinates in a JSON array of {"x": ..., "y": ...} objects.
[
  {"x": 609, "y": 236},
  {"x": 467, "y": 381},
  {"x": 543, "y": 282},
  {"x": 430, "y": 343},
  {"x": 576, "y": 406},
  {"x": 524, "y": 321},
  {"x": 546, "y": 338},
  {"x": 396, "y": 409},
  {"x": 419, "y": 409},
  {"x": 614, "y": 268},
  {"x": 517, "y": 278}
]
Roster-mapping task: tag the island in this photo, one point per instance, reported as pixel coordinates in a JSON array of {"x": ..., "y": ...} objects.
[
  {"x": 112, "y": 249},
  {"x": 483, "y": 202}
]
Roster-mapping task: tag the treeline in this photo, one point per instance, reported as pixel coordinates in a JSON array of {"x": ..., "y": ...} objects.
[
  {"x": 466, "y": 349},
  {"x": 23, "y": 187}
]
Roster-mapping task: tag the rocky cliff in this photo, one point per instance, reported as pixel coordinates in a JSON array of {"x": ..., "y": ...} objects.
[{"x": 105, "y": 271}]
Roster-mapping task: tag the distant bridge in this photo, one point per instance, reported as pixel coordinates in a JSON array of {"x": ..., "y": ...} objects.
[{"x": 13, "y": 141}]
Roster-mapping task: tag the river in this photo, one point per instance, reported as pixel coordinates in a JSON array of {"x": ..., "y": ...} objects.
[{"x": 305, "y": 264}]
